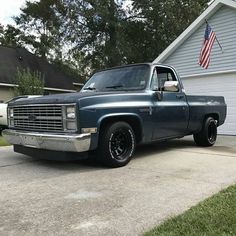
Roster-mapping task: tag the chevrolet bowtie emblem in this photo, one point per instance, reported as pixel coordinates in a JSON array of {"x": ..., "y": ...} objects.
[{"x": 32, "y": 117}]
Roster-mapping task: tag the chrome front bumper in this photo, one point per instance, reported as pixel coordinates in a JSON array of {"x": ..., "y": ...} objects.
[{"x": 53, "y": 142}]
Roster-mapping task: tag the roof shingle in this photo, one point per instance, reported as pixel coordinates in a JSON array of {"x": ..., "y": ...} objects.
[{"x": 13, "y": 58}]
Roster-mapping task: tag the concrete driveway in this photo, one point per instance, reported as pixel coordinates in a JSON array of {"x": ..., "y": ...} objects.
[{"x": 81, "y": 198}]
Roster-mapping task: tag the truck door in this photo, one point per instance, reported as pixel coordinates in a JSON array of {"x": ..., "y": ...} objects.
[{"x": 170, "y": 110}]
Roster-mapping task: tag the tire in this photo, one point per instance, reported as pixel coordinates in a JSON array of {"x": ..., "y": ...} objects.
[
  {"x": 116, "y": 144},
  {"x": 208, "y": 135}
]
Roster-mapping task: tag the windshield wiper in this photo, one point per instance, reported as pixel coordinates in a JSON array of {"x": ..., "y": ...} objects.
[
  {"x": 115, "y": 86},
  {"x": 89, "y": 88}
]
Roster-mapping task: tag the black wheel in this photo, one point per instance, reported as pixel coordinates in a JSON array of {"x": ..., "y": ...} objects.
[
  {"x": 207, "y": 136},
  {"x": 116, "y": 144}
]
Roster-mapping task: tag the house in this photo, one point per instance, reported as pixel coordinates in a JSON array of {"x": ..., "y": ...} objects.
[
  {"x": 220, "y": 77},
  {"x": 12, "y": 58}
]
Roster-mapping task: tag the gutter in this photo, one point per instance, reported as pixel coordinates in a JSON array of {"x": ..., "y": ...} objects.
[
  {"x": 208, "y": 74},
  {"x": 45, "y": 88}
]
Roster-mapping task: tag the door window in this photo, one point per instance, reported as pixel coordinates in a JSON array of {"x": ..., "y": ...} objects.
[{"x": 160, "y": 76}]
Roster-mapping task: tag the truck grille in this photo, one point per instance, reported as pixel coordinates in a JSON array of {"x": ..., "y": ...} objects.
[{"x": 38, "y": 118}]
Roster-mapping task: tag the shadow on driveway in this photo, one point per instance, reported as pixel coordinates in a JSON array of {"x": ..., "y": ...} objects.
[
  {"x": 223, "y": 146},
  {"x": 91, "y": 164}
]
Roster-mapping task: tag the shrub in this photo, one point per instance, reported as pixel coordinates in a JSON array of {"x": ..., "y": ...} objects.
[{"x": 28, "y": 82}]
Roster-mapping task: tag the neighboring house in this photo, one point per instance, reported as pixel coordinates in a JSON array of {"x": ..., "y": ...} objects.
[
  {"x": 220, "y": 77},
  {"x": 12, "y": 58}
]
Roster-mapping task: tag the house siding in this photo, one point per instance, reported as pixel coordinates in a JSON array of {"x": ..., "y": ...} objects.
[
  {"x": 185, "y": 57},
  {"x": 6, "y": 93}
]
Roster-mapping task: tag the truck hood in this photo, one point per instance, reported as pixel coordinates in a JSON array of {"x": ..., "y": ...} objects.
[{"x": 65, "y": 98}]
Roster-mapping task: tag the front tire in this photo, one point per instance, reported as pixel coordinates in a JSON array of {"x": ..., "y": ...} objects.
[
  {"x": 208, "y": 135},
  {"x": 116, "y": 144}
]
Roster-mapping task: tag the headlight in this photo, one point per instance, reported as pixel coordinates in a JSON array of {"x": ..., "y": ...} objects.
[
  {"x": 11, "y": 113},
  {"x": 70, "y": 112},
  {"x": 70, "y": 121}
]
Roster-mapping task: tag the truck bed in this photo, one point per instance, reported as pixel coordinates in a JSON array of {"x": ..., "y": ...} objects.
[{"x": 200, "y": 105}]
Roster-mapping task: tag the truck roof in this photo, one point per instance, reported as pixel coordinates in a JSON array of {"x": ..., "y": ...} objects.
[{"x": 135, "y": 64}]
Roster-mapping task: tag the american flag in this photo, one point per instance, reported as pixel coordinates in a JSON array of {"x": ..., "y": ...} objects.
[{"x": 209, "y": 39}]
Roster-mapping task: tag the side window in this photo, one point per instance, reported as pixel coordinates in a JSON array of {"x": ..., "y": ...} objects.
[
  {"x": 160, "y": 76},
  {"x": 165, "y": 74}
]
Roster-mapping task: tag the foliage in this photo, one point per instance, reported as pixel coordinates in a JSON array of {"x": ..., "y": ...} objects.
[
  {"x": 29, "y": 83},
  {"x": 109, "y": 35},
  {"x": 10, "y": 36},
  {"x": 40, "y": 24},
  {"x": 87, "y": 35},
  {"x": 214, "y": 216},
  {"x": 159, "y": 23},
  {"x": 94, "y": 29}
]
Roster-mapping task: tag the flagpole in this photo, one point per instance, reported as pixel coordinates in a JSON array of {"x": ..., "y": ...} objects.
[{"x": 216, "y": 38}]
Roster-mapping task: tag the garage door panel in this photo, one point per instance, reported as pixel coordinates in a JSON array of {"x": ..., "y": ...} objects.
[
  {"x": 231, "y": 116},
  {"x": 230, "y": 119},
  {"x": 219, "y": 88},
  {"x": 231, "y": 110},
  {"x": 226, "y": 94},
  {"x": 226, "y": 129}
]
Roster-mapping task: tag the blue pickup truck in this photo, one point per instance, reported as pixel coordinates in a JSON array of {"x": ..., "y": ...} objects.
[{"x": 117, "y": 109}]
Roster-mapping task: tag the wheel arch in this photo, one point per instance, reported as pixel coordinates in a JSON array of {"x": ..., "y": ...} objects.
[
  {"x": 213, "y": 115},
  {"x": 132, "y": 119}
]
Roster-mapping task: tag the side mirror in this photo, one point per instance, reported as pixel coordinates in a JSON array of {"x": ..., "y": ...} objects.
[{"x": 171, "y": 86}]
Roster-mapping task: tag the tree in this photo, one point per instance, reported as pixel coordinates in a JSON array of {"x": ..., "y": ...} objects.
[
  {"x": 28, "y": 82},
  {"x": 161, "y": 22},
  {"x": 10, "y": 36},
  {"x": 40, "y": 24},
  {"x": 94, "y": 29},
  {"x": 42, "y": 31},
  {"x": 87, "y": 35},
  {"x": 103, "y": 34}
]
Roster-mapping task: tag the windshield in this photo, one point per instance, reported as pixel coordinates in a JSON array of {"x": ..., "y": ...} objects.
[{"x": 125, "y": 78}]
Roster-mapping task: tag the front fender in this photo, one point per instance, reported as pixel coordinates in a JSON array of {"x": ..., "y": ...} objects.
[{"x": 113, "y": 117}]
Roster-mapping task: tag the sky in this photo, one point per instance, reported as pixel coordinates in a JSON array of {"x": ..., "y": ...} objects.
[{"x": 9, "y": 8}]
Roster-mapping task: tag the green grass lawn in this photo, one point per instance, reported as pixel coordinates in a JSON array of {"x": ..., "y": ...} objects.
[
  {"x": 3, "y": 142},
  {"x": 214, "y": 216}
]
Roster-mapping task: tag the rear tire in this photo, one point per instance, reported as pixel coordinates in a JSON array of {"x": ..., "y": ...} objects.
[
  {"x": 116, "y": 144},
  {"x": 208, "y": 135}
]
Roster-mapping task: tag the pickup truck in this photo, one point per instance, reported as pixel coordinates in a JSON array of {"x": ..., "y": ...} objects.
[{"x": 116, "y": 109}]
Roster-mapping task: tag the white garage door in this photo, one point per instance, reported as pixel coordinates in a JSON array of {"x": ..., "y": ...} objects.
[{"x": 219, "y": 85}]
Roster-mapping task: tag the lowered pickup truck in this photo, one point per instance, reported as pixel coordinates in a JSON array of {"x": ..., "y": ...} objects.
[{"x": 117, "y": 109}]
